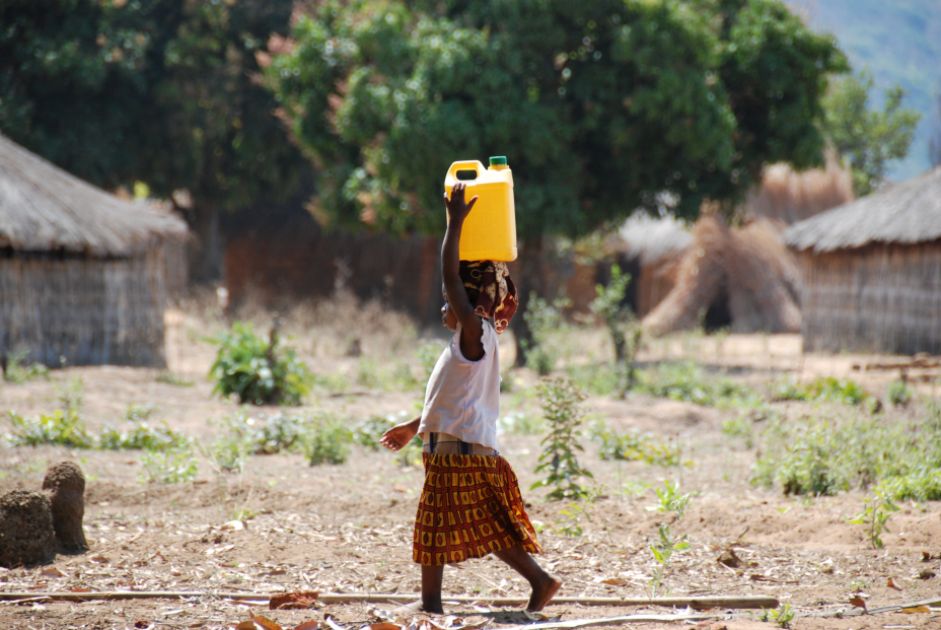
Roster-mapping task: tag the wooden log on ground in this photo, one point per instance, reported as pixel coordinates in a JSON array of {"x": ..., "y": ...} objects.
[{"x": 696, "y": 603}]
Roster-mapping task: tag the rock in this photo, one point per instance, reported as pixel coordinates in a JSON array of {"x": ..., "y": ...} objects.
[
  {"x": 26, "y": 533},
  {"x": 65, "y": 485}
]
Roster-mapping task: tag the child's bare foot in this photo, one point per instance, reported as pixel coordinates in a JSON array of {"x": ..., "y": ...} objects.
[{"x": 543, "y": 592}]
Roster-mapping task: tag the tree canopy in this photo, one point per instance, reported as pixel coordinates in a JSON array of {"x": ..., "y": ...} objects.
[
  {"x": 603, "y": 107},
  {"x": 166, "y": 92},
  {"x": 866, "y": 138}
]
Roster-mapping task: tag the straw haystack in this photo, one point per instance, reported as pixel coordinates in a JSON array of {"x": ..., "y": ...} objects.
[
  {"x": 872, "y": 271},
  {"x": 650, "y": 249},
  {"x": 82, "y": 273},
  {"x": 790, "y": 196},
  {"x": 746, "y": 272}
]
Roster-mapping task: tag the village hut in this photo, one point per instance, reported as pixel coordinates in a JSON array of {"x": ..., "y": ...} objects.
[
  {"x": 82, "y": 272},
  {"x": 872, "y": 271}
]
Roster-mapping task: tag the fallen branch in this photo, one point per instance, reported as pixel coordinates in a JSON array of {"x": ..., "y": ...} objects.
[
  {"x": 696, "y": 603},
  {"x": 858, "y": 612}
]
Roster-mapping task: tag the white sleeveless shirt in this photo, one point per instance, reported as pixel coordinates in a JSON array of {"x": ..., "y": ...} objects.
[{"x": 463, "y": 396}]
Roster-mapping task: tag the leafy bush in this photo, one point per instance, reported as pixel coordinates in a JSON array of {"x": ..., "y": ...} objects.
[
  {"x": 328, "y": 443},
  {"x": 686, "y": 382},
  {"x": 141, "y": 437},
  {"x": 560, "y": 400},
  {"x": 173, "y": 466},
  {"x": 898, "y": 393},
  {"x": 257, "y": 371},
  {"x": 634, "y": 447},
  {"x": 824, "y": 388},
  {"x": 823, "y": 457},
  {"x": 64, "y": 428},
  {"x": 17, "y": 371}
]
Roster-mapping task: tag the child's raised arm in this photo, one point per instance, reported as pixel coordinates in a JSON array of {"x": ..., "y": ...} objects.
[{"x": 471, "y": 328}]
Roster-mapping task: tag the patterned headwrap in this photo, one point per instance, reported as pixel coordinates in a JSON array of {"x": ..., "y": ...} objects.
[{"x": 490, "y": 290}]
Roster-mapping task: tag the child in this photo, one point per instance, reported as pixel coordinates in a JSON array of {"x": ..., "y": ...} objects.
[{"x": 470, "y": 505}]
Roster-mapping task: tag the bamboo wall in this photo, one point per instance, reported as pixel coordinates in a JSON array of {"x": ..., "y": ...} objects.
[
  {"x": 81, "y": 311},
  {"x": 879, "y": 298}
]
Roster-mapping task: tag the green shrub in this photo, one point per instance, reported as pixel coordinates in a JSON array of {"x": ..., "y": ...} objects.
[
  {"x": 633, "y": 446},
  {"x": 64, "y": 428},
  {"x": 259, "y": 372},
  {"x": 328, "y": 443},
  {"x": 17, "y": 371},
  {"x": 686, "y": 382},
  {"x": 898, "y": 393},
  {"x": 173, "y": 466},
  {"x": 824, "y": 388},
  {"x": 560, "y": 400},
  {"x": 141, "y": 437},
  {"x": 823, "y": 457}
]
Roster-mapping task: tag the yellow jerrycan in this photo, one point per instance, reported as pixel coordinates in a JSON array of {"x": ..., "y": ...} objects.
[{"x": 489, "y": 232}]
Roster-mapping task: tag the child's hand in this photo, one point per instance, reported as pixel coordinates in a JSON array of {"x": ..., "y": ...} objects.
[
  {"x": 457, "y": 208},
  {"x": 399, "y": 435}
]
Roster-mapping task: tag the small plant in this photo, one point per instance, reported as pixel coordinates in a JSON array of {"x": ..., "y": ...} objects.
[
  {"x": 259, "y": 372},
  {"x": 229, "y": 453},
  {"x": 633, "y": 446},
  {"x": 328, "y": 443},
  {"x": 781, "y": 616},
  {"x": 663, "y": 549},
  {"x": 687, "y": 382},
  {"x": 18, "y": 371},
  {"x": 572, "y": 514},
  {"x": 560, "y": 401},
  {"x": 899, "y": 394},
  {"x": 825, "y": 388},
  {"x": 609, "y": 304},
  {"x": 671, "y": 500},
  {"x": 879, "y": 509},
  {"x": 173, "y": 466},
  {"x": 64, "y": 428},
  {"x": 276, "y": 433},
  {"x": 143, "y": 436}
]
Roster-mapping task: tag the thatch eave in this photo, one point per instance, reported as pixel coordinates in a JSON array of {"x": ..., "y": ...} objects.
[
  {"x": 46, "y": 209},
  {"x": 906, "y": 213}
]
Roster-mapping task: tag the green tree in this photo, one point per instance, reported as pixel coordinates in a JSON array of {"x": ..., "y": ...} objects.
[
  {"x": 604, "y": 107},
  {"x": 866, "y": 138},
  {"x": 167, "y": 92}
]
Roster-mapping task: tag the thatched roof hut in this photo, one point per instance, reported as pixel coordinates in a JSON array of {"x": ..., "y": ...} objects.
[
  {"x": 82, "y": 272},
  {"x": 872, "y": 271}
]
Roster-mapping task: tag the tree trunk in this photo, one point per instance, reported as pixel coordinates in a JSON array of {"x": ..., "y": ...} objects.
[
  {"x": 531, "y": 282},
  {"x": 205, "y": 249}
]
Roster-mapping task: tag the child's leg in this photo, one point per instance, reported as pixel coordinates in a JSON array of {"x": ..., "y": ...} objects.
[
  {"x": 431, "y": 576},
  {"x": 544, "y": 585}
]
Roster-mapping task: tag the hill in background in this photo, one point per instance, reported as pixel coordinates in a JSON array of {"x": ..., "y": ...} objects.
[{"x": 899, "y": 42}]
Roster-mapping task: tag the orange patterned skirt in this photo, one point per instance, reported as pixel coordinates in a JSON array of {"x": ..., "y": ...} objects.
[{"x": 470, "y": 506}]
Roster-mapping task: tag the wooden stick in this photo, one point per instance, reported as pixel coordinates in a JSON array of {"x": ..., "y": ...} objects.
[
  {"x": 697, "y": 603},
  {"x": 608, "y": 621}
]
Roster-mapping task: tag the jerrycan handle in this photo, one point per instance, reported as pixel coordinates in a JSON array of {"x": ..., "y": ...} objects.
[{"x": 465, "y": 165}]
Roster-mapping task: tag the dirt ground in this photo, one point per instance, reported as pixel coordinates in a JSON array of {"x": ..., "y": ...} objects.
[{"x": 282, "y": 525}]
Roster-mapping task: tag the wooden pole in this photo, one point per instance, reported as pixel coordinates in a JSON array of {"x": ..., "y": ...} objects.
[{"x": 696, "y": 603}]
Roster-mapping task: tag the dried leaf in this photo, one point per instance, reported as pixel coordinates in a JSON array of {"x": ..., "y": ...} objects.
[
  {"x": 245, "y": 625},
  {"x": 52, "y": 572},
  {"x": 293, "y": 601},
  {"x": 382, "y": 625},
  {"x": 890, "y": 583},
  {"x": 858, "y": 602},
  {"x": 308, "y": 625},
  {"x": 264, "y": 623},
  {"x": 926, "y": 556},
  {"x": 100, "y": 559},
  {"x": 916, "y": 609},
  {"x": 615, "y": 581},
  {"x": 926, "y": 574}
]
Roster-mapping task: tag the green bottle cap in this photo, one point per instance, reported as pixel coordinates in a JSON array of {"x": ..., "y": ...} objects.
[{"x": 497, "y": 160}]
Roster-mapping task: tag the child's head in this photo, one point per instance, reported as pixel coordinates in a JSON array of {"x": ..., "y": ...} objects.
[{"x": 490, "y": 291}]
